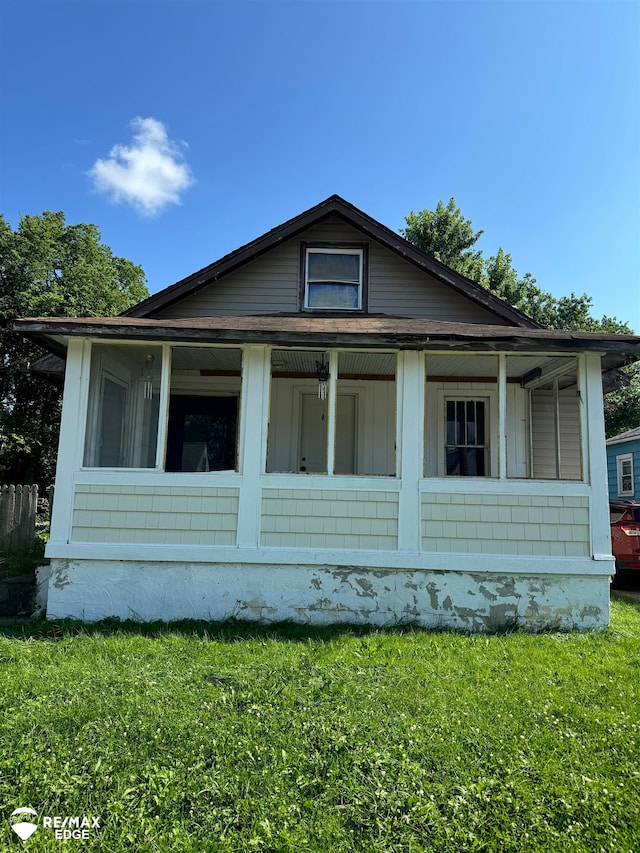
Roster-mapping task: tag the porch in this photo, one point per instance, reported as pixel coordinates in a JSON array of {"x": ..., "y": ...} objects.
[{"x": 462, "y": 489}]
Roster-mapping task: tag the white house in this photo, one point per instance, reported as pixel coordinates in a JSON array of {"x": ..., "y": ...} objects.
[{"x": 327, "y": 425}]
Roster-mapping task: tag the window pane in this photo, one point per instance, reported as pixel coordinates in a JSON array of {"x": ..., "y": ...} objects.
[
  {"x": 202, "y": 433},
  {"x": 333, "y": 267},
  {"x": 323, "y": 295},
  {"x": 480, "y": 422},
  {"x": 112, "y": 421},
  {"x": 546, "y": 410},
  {"x": 452, "y": 437},
  {"x": 461, "y": 432},
  {"x": 453, "y": 461},
  {"x": 471, "y": 422},
  {"x": 465, "y": 451},
  {"x": 297, "y": 438},
  {"x": 124, "y": 397},
  {"x": 466, "y": 461},
  {"x": 365, "y": 425},
  {"x": 475, "y": 461}
]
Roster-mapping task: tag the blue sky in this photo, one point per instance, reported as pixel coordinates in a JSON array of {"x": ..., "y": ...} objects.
[{"x": 231, "y": 117}]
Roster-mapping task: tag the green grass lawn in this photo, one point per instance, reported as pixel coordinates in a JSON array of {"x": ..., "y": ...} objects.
[{"x": 197, "y": 737}]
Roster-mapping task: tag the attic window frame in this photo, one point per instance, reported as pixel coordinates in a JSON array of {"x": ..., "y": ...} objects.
[{"x": 335, "y": 247}]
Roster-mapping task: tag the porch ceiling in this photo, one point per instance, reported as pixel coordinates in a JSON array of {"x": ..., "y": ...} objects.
[
  {"x": 192, "y": 358},
  {"x": 361, "y": 363},
  {"x": 476, "y": 367}
]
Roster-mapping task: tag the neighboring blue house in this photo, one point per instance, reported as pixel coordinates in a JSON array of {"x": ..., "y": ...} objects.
[{"x": 623, "y": 464}]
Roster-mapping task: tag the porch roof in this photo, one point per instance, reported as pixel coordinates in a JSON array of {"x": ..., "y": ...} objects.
[{"x": 379, "y": 332}]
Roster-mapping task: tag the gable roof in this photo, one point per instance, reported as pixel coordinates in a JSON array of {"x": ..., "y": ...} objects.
[
  {"x": 628, "y": 435},
  {"x": 334, "y": 205}
]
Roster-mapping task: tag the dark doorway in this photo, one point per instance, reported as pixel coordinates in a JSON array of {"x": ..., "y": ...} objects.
[{"x": 202, "y": 433}]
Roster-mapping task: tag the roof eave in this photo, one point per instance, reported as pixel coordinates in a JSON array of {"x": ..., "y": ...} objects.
[{"x": 616, "y": 351}]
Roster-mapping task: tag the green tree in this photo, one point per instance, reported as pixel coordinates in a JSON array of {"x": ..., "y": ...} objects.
[
  {"x": 446, "y": 235},
  {"x": 48, "y": 269},
  {"x": 449, "y": 237}
]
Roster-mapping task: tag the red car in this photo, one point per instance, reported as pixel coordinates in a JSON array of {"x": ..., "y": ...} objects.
[{"x": 625, "y": 538}]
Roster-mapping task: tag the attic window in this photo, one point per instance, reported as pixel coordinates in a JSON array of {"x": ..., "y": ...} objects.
[{"x": 333, "y": 278}]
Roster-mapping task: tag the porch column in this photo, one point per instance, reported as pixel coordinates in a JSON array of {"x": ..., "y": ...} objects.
[
  {"x": 71, "y": 442},
  {"x": 410, "y": 430},
  {"x": 502, "y": 416},
  {"x": 253, "y": 439},
  {"x": 593, "y": 423}
]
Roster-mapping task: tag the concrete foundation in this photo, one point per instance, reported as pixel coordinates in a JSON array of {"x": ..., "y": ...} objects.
[{"x": 319, "y": 595}]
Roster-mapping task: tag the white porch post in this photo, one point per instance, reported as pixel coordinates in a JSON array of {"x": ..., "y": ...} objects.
[
  {"x": 163, "y": 407},
  {"x": 594, "y": 425},
  {"x": 253, "y": 439},
  {"x": 411, "y": 373},
  {"x": 331, "y": 411},
  {"x": 502, "y": 415},
  {"x": 71, "y": 442}
]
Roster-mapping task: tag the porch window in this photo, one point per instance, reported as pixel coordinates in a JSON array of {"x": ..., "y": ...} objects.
[
  {"x": 363, "y": 431},
  {"x": 298, "y": 414},
  {"x": 204, "y": 399},
  {"x": 333, "y": 278},
  {"x": 554, "y": 409},
  {"x": 624, "y": 466},
  {"x": 124, "y": 398},
  {"x": 467, "y": 449},
  {"x": 461, "y": 416}
]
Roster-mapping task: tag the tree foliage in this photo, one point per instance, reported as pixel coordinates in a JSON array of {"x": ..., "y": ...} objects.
[
  {"x": 449, "y": 237},
  {"x": 48, "y": 269}
]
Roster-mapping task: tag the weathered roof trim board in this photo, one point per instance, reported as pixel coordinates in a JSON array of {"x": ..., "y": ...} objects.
[
  {"x": 346, "y": 211},
  {"x": 307, "y": 331}
]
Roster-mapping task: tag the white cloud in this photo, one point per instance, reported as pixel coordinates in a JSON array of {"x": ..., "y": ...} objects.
[{"x": 149, "y": 174}]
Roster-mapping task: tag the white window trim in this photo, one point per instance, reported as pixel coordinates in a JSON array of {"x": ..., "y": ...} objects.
[
  {"x": 322, "y": 250},
  {"x": 620, "y": 460},
  {"x": 103, "y": 368},
  {"x": 491, "y": 396},
  {"x": 95, "y": 370}
]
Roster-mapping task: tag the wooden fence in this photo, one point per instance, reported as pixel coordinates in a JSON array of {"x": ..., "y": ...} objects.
[{"x": 18, "y": 505}]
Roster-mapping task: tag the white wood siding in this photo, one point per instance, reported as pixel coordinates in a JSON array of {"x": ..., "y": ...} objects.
[{"x": 271, "y": 284}]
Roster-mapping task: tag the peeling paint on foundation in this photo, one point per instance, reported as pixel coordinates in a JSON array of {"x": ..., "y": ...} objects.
[
  {"x": 258, "y": 609},
  {"x": 487, "y": 594},
  {"x": 366, "y": 586},
  {"x": 95, "y": 589},
  {"x": 433, "y": 596},
  {"x": 59, "y": 574}
]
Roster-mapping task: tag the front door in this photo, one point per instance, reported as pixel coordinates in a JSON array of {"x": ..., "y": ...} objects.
[{"x": 313, "y": 434}]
